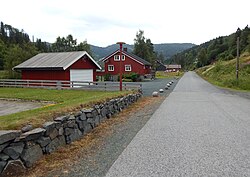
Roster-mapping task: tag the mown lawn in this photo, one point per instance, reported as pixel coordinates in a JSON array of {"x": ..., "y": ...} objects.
[
  {"x": 61, "y": 103},
  {"x": 167, "y": 75},
  {"x": 223, "y": 73}
]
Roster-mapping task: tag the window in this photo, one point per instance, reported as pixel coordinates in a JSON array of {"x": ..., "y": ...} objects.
[
  {"x": 117, "y": 58},
  {"x": 111, "y": 67},
  {"x": 127, "y": 67}
]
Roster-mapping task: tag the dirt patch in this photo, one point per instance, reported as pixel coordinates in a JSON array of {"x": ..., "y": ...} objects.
[{"x": 88, "y": 153}]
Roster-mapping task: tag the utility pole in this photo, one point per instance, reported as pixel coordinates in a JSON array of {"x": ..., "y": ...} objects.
[
  {"x": 120, "y": 63},
  {"x": 237, "y": 60}
]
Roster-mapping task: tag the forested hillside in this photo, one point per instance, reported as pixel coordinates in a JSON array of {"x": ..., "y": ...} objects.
[
  {"x": 16, "y": 47},
  {"x": 221, "y": 48},
  {"x": 166, "y": 49}
]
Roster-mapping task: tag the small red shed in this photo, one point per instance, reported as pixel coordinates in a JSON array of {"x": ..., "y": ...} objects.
[
  {"x": 129, "y": 63},
  {"x": 69, "y": 66}
]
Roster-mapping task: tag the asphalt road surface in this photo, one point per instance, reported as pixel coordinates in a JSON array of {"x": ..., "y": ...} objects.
[{"x": 199, "y": 130}]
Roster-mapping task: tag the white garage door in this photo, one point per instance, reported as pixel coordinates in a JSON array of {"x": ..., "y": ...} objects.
[{"x": 85, "y": 75}]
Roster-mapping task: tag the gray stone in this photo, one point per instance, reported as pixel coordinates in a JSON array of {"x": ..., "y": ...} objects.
[
  {"x": 53, "y": 134},
  {"x": 61, "y": 119},
  {"x": 166, "y": 87},
  {"x": 26, "y": 128},
  {"x": 10, "y": 151},
  {"x": 60, "y": 131},
  {"x": 87, "y": 110},
  {"x": 68, "y": 131},
  {"x": 71, "y": 124},
  {"x": 103, "y": 112},
  {"x": 81, "y": 124},
  {"x": 13, "y": 168},
  {"x": 8, "y": 135},
  {"x": 76, "y": 135},
  {"x": 31, "y": 155},
  {"x": 88, "y": 128},
  {"x": 57, "y": 142},
  {"x": 4, "y": 157},
  {"x": 2, "y": 146},
  {"x": 89, "y": 115},
  {"x": 78, "y": 114},
  {"x": 83, "y": 116},
  {"x": 33, "y": 134},
  {"x": 2, "y": 165},
  {"x": 43, "y": 141},
  {"x": 58, "y": 125},
  {"x": 97, "y": 120},
  {"x": 18, "y": 147},
  {"x": 49, "y": 127}
]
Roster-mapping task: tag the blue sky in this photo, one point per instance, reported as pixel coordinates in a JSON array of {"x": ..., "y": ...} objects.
[{"x": 105, "y": 22}]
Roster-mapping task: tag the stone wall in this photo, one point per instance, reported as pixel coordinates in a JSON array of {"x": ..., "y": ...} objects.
[{"x": 22, "y": 148}]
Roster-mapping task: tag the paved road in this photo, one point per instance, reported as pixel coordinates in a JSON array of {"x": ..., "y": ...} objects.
[{"x": 198, "y": 131}]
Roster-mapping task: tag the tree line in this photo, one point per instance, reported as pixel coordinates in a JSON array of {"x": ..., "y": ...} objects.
[
  {"x": 16, "y": 47},
  {"x": 220, "y": 48}
]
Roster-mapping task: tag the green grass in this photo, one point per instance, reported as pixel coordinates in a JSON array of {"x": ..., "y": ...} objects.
[
  {"x": 64, "y": 101},
  {"x": 167, "y": 75},
  {"x": 223, "y": 73}
]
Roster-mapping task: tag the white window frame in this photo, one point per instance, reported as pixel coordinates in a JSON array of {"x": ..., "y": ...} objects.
[
  {"x": 129, "y": 68},
  {"x": 117, "y": 57},
  {"x": 110, "y": 66}
]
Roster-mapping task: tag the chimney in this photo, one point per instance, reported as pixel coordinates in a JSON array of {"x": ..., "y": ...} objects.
[{"x": 125, "y": 49}]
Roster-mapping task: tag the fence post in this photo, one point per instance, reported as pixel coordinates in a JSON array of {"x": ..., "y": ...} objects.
[
  {"x": 105, "y": 86},
  {"x": 58, "y": 85}
]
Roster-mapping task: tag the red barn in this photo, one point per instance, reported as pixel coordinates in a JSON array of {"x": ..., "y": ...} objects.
[
  {"x": 129, "y": 63},
  {"x": 69, "y": 66}
]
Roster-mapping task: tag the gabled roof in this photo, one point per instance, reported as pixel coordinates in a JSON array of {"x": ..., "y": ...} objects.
[
  {"x": 59, "y": 60},
  {"x": 132, "y": 56}
]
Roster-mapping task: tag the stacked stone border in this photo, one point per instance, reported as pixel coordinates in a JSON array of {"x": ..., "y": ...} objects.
[{"x": 22, "y": 148}]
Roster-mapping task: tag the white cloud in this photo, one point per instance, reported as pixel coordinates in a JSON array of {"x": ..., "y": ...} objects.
[{"x": 106, "y": 22}]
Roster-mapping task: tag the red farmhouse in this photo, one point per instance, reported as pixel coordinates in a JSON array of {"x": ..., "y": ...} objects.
[
  {"x": 129, "y": 63},
  {"x": 69, "y": 66}
]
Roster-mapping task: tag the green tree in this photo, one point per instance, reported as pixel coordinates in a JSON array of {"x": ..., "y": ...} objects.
[
  {"x": 2, "y": 53},
  {"x": 202, "y": 57},
  {"x": 84, "y": 46},
  {"x": 144, "y": 48}
]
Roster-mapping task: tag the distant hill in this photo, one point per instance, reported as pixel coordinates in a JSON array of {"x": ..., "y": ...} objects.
[
  {"x": 220, "y": 48},
  {"x": 167, "y": 49}
]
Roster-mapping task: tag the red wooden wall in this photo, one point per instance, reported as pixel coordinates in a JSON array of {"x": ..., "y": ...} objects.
[
  {"x": 59, "y": 74},
  {"x": 135, "y": 66}
]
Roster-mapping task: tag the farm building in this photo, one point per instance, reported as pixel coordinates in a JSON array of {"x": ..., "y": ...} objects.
[
  {"x": 173, "y": 68},
  {"x": 68, "y": 66},
  {"x": 160, "y": 66},
  {"x": 130, "y": 63}
]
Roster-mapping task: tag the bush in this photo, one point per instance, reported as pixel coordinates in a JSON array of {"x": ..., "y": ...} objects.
[{"x": 131, "y": 76}]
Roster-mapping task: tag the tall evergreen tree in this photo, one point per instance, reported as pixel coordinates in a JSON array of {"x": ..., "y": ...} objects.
[{"x": 144, "y": 48}]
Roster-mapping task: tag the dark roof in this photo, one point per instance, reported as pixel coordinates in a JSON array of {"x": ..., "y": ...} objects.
[
  {"x": 133, "y": 56},
  {"x": 59, "y": 60}
]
